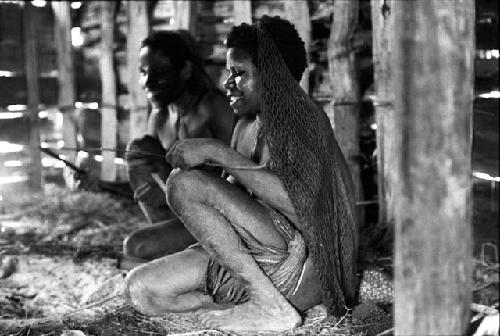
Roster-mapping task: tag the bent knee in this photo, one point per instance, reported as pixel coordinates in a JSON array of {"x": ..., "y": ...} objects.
[
  {"x": 140, "y": 294},
  {"x": 144, "y": 296},
  {"x": 135, "y": 246},
  {"x": 136, "y": 292},
  {"x": 184, "y": 186}
]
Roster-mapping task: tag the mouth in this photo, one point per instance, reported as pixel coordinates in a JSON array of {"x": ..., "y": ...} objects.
[
  {"x": 233, "y": 102},
  {"x": 234, "y": 99}
]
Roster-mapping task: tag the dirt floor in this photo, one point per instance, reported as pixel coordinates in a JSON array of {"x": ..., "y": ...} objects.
[{"x": 58, "y": 275}]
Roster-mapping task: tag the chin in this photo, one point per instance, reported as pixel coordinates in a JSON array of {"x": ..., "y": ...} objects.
[{"x": 243, "y": 113}]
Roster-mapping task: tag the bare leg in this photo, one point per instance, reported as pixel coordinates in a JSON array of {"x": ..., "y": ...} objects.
[
  {"x": 164, "y": 235},
  {"x": 212, "y": 210},
  {"x": 169, "y": 284},
  {"x": 158, "y": 240}
]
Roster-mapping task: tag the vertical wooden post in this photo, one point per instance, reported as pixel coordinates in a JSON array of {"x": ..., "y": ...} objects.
[
  {"x": 297, "y": 12},
  {"x": 242, "y": 11},
  {"x": 382, "y": 14},
  {"x": 66, "y": 100},
  {"x": 345, "y": 87},
  {"x": 138, "y": 30},
  {"x": 433, "y": 77},
  {"x": 185, "y": 15},
  {"x": 109, "y": 123},
  {"x": 33, "y": 93}
]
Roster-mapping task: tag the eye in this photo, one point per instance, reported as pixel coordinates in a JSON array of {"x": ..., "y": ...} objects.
[{"x": 234, "y": 73}]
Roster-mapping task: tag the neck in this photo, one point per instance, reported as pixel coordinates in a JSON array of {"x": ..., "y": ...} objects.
[{"x": 181, "y": 103}]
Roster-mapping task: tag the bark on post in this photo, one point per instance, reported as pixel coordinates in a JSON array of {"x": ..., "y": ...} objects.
[
  {"x": 109, "y": 123},
  {"x": 383, "y": 62},
  {"x": 297, "y": 12},
  {"x": 242, "y": 11},
  {"x": 66, "y": 100},
  {"x": 433, "y": 77},
  {"x": 33, "y": 94},
  {"x": 185, "y": 15},
  {"x": 345, "y": 88},
  {"x": 138, "y": 30}
]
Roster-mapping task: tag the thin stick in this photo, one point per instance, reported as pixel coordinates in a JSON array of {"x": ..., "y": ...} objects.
[
  {"x": 386, "y": 332},
  {"x": 262, "y": 166},
  {"x": 158, "y": 180},
  {"x": 104, "y": 149}
]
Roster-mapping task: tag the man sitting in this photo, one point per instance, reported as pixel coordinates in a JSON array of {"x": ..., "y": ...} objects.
[
  {"x": 185, "y": 104},
  {"x": 278, "y": 235}
]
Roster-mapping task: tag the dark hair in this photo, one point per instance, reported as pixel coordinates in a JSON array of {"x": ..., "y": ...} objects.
[
  {"x": 284, "y": 35},
  {"x": 179, "y": 46}
]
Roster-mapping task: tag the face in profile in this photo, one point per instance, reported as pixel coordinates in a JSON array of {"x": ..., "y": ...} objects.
[
  {"x": 242, "y": 84},
  {"x": 158, "y": 77}
]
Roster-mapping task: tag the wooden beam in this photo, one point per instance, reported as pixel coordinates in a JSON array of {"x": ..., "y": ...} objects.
[
  {"x": 345, "y": 87},
  {"x": 242, "y": 11},
  {"x": 433, "y": 88},
  {"x": 383, "y": 62},
  {"x": 66, "y": 100},
  {"x": 138, "y": 30},
  {"x": 33, "y": 93},
  {"x": 297, "y": 12},
  {"x": 109, "y": 122},
  {"x": 185, "y": 15}
]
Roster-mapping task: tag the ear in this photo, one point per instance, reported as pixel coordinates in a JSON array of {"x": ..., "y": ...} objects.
[{"x": 187, "y": 70}]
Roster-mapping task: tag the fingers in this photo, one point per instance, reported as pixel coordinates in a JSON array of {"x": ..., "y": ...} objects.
[{"x": 176, "y": 157}]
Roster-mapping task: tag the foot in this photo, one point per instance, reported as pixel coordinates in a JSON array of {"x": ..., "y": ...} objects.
[{"x": 252, "y": 316}]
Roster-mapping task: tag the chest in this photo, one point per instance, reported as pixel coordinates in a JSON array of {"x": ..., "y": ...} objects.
[
  {"x": 178, "y": 124},
  {"x": 249, "y": 140}
]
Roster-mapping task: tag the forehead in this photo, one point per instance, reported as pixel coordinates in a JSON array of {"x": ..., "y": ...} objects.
[
  {"x": 149, "y": 56},
  {"x": 238, "y": 56}
]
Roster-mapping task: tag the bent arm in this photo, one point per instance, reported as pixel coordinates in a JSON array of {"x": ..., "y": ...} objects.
[{"x": 262, "y": 182}]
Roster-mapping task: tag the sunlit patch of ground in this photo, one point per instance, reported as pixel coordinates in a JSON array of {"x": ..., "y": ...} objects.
[
  {"x": 66, "y": 247},
  {"x": 44, "y": 286}
]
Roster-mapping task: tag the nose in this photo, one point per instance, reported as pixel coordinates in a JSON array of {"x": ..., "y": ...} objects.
[
  {"x": 149, "y": 81},
  {"x": 143, "y": 79},
  {"x": 229, "y": 83}
]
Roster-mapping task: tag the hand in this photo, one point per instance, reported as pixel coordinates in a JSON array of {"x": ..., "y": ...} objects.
[{"x": 189, "y": 153}]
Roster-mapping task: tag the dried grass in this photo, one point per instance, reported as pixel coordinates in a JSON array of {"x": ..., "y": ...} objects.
[{"x": 93, "y": 219}]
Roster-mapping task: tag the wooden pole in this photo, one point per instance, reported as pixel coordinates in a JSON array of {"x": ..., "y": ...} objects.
[
  {"x": 242, "y": 11},
  {"x": 138, "y": 30},
  {"x": 33, "y": 93},
  {"x": 62, "y": 35},
  {"x": 345, "y": 87},
  {"x": 185, "y": 15},
  {"x": 433, "y": 88},
  {"x": 109, "y": 122},
  {"x": 297, "y": 12},
  {"x": 383, "y": 62}
]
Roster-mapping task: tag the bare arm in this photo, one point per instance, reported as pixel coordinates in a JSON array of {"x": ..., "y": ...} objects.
[
  {"x": 153, "y": 124},
  {"x": 262, "y": 182},
  {"x": 189, "y": 153}
]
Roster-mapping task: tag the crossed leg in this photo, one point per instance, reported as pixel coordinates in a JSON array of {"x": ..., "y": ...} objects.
[{"x": 213, "y": 211}]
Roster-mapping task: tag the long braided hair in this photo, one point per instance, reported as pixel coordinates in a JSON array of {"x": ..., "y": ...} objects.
[{"x": 306, "y": 157}]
